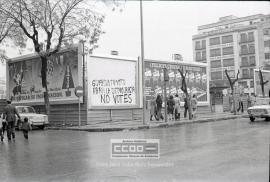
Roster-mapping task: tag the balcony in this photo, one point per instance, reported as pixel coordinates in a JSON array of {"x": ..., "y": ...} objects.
[
  {"x": 247, "y": 76},
  {"x": 241, "y": 53},
  {"x": 246, "y": 41},
  {"x": 200, "y": 48}
]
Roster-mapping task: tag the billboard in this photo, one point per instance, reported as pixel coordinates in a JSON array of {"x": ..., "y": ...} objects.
[
  {"x": 112, "y": 83},
  {"x": 257, "y": 85},
  {"x": 196, "y": 78},
  {"x": 63, "y": 75}
]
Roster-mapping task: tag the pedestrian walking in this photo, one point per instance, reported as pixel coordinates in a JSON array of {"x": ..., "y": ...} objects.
[
  {"x": 194, "y": 103},
  {"x": 253, "y": 99},
  {"x": 1, "y": 130},
  {"x": 177, "y": 107},
  {"x": 241, "y": 106},
  {"x": 159, "y": 107},
  {"x": 153, "y": 108},
  {"x": 249, "y": 101},
  {"x": 26, "y": 126},
  {"x": 231, "y": 102},
  {"x": 185, "y": 107},
  {"x": 3, "y": 125},
  {"x": 9, "y": 115},
  {"x": 170, "y": 108}
]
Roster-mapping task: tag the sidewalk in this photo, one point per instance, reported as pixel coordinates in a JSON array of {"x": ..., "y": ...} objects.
[{"x": 138, "y": 124}]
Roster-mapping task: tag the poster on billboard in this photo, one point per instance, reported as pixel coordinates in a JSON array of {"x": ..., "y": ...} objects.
[
  {"x": 24, "y": 78},
  {"x": 257, "y": 85},
  {"x": 112, "y": 83},
  {"x": 196, "y": 79}
]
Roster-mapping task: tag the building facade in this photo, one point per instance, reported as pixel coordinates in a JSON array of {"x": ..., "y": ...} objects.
[{"x": 234, "y": 44}]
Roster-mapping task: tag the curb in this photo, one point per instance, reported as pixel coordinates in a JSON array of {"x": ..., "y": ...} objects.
[{"x": 160, "y": 125}]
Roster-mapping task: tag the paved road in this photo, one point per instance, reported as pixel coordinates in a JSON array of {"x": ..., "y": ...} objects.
[{"x": 231, "y": 150}]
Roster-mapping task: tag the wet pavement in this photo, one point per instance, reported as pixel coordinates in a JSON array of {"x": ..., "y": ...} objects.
[{"x": 230, "y": 150}]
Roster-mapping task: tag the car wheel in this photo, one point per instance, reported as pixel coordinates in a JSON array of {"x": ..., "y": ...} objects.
[
  {"x": 252, "y": 119},
  {"x": 41, "y": 127}
]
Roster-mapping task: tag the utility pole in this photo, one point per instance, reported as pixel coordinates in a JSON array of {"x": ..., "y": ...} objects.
[{"x": 142, "y": 59}]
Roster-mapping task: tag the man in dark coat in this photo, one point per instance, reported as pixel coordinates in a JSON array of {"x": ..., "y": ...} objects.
[{"x": 9, "y": 114}]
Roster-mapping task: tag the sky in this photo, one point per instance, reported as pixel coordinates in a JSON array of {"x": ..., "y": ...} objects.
[{"x": 168, "y": 26}]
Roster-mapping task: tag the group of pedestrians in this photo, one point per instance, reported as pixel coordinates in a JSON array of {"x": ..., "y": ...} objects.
[
  {"x": 239, "y": 102},
  {"x": 173, "y": 107},
  {"x": 8, "y": 122}
]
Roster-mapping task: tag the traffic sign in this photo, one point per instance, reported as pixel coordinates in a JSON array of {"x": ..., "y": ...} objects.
[{"x": 79, "y": 91}]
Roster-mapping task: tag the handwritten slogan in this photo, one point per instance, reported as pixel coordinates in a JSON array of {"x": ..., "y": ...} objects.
[
  {"x": 112, "y": 82},
  {"x": 113, "y": 91}
]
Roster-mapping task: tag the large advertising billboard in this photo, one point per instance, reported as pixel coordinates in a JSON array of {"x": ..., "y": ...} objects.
[
  {"x": 196, "y": 79},
  {"x": 63, "y": 75},
  {"x": 257, "y": 85},
  {"x": 112, "y": 83}
]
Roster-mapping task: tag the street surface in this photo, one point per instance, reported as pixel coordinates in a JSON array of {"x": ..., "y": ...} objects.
[{"x": 230, "y": 150}]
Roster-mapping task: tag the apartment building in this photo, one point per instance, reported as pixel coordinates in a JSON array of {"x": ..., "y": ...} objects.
[{"x": 234, "y": 44}]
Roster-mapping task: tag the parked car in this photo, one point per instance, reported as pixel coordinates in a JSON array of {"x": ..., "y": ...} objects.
[
  {"x": 39, "y": 120},
  {"x": 260, "y": 110}
]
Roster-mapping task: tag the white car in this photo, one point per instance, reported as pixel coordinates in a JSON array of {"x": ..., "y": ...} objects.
[
  {"x": 260, "y": 110},
  {"x": 39, "y": 120}
]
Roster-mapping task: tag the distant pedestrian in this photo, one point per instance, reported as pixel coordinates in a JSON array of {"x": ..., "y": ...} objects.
[
  {"x": 194, "y": 103},
  {"x": 249, "y": 101},
  {"x": 241, "y": 106},
  {"x": 26, "y": 126},
  {"x": 231, "y": 102},
  {"x": 3, "y": 125},
  {"x": 177, "y": 107},
  {"x": 185, "y": 107},
  {"x": 253, "y": 99},
  {"x": 170, "y": 108},
  {"x": 1, "y": 130},
  {"x": 153, "y": 108},
  {"x": 9, "y": 115},
  {"x": 159, "y": 107}
]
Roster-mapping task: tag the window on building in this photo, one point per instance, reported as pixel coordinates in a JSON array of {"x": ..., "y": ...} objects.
[
  {"x": 227, "y": 39},
  {"x": 245, "y": 73},
  {"x": 215, "y": 52},
  {"x": 250, "y": 36},
  {"x": 217, "y": 75},
  {"x": 244, "y": 49},
  {"x": 214, "y": 41},
  {"x": 251, "y": 84},
  {"x": 251, "y": 72},
  {"x": 244, "y": 61},
  {"x": 203, "y": 55},
  {"x": 231, "y": 74},
  {"x": 203, "y": 44},
  {"x": 227, "y": 50},
  {"x": 243, "y": 37},
  {"x": 251, "y": 48},
  {"x": 197, "y": 45},
  {"x": 243, "y": 84},
  {"x": 215, "y": 64},
  {"x": 252, "y": 61},
  {"x": 266, "y": 31},
  {"x": 198, "y": 56},
  {"x": 267, "y": 55},
  {"x": 228, "y": 62},
  {"x": 267, "y": 43}
]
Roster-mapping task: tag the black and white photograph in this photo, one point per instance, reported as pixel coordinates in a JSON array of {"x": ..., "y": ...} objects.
[{"x": 134, "y": 91}]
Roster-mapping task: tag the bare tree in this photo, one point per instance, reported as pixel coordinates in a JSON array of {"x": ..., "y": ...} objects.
[
  {"x": 52, "y": 23},
  {"x": 184, "y": 89},
  {"x": 262, "y": 83},
  {"x": 232, "y": 82}
]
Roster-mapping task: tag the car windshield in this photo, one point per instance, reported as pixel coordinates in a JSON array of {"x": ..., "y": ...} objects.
[{"x": 26, "y": 110}]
